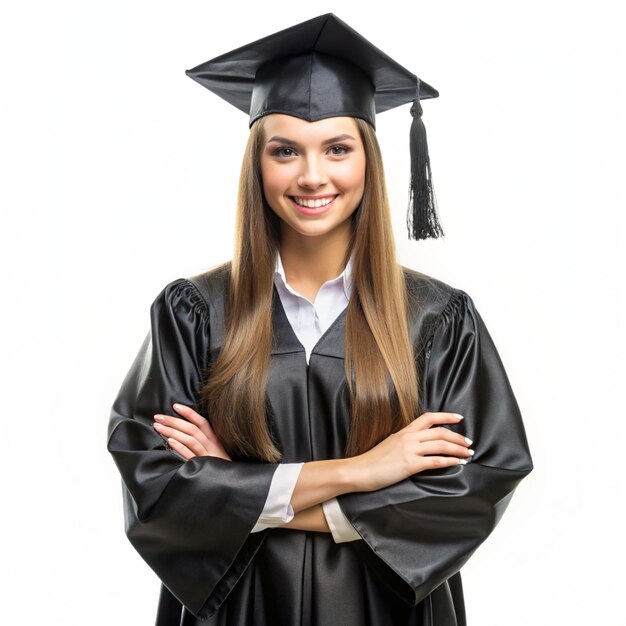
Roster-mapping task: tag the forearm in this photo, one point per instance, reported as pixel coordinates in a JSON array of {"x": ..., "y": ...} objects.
[
  {"x": 312, "y": 518},
  {"x": 319, "y": 481}
]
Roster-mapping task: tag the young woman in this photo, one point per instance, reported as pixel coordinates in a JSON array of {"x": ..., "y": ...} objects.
[{"x": 294, "y": 434}]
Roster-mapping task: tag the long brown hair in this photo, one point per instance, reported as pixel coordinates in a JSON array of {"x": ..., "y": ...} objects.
[{"x": 379, "y": 360}]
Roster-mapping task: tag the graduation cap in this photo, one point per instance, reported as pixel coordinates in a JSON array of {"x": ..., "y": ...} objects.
[{"x": 323, "y": 68}]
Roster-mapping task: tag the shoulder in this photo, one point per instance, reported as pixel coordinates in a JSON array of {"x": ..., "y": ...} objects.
[
  {"x": 212, "y": 284},
  {"x": 195, "y": 294},
  {"x": 433, "y": 302},
  {"x": 432, "y": 294}
]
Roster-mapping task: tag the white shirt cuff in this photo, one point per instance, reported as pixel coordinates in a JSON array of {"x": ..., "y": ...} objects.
[
  {"x": 340, "y": 526},
  {"x": 278, "y": 510}
]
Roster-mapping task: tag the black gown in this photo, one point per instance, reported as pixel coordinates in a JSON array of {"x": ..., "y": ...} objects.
[{"x": 191, "y": 520}]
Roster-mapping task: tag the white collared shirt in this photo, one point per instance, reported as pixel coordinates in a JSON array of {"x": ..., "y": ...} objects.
[{"x": 309, "y": 321}]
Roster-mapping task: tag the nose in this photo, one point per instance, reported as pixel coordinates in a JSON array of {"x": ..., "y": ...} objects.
[{"x": 313, "y": 173}]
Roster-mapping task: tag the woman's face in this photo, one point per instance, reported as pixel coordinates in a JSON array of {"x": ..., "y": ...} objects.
[{"x": 313, "y": 172}]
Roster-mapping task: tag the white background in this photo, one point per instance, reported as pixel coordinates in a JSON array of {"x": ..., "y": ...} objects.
[{"x": 119, "y": 173}]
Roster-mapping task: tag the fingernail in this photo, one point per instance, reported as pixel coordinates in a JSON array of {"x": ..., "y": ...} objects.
[
  {"x": 177, "y": 406},
  {"x": 468, "y": 440},
  {"x": 463, "y": 461},
  {"x": 458, "y": 416},
  {"x": 470, "y": 451},
  {"x": 158, "y": 418},
  {"x": 158, "y": 425}
]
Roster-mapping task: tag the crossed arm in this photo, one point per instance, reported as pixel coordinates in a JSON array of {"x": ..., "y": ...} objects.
[
  {"x": 194, "y": 436},
  {"x": 419, "y": 446}
]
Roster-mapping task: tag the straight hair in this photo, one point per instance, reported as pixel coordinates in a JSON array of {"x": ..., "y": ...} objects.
[{"x": 379, "y": 361}]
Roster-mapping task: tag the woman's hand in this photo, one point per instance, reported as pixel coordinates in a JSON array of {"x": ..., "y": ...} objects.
[
  {"x": 415, "y": 448},
  {"x": 190, "y": 437}
]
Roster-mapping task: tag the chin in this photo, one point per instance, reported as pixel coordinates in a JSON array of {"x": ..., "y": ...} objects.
[{"x": 310, "y": 232}]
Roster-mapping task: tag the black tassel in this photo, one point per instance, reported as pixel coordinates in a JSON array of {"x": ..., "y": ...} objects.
[{"x": 422, "y": 218}]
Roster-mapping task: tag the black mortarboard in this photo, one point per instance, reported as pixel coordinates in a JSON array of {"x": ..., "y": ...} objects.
[{"x": 323, "y": 68}]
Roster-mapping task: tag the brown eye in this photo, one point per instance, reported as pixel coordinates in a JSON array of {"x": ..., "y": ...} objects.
[{"x": 283, "y": 152}]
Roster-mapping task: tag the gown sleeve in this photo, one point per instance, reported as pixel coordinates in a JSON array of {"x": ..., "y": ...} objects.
[
  {"x": 190, "y": 520},
  {"x": 422, "y": 530}
]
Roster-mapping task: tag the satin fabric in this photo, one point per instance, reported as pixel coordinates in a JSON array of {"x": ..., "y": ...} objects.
[
  {"x": 315, "y": 69},
  {"x": 191, "y": 520}
]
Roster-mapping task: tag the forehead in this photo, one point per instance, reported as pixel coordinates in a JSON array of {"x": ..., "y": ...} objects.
[{"x": 289, "y": 126}]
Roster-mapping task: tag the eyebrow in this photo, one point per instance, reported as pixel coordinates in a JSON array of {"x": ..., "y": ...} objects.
[{"x": 291, "y": 142}]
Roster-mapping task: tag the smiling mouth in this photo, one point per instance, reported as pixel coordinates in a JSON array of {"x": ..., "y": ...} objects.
[{"x": 313, "y": 203}]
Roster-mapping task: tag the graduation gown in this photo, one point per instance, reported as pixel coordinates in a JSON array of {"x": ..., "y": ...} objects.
[{"x": 191, "y": 520}]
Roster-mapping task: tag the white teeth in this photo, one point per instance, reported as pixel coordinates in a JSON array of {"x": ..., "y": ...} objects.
[{"x": 313, "y": 204}]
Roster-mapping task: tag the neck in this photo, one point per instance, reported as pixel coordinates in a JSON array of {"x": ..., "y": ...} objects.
[{"x": 313, "y": 260}]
